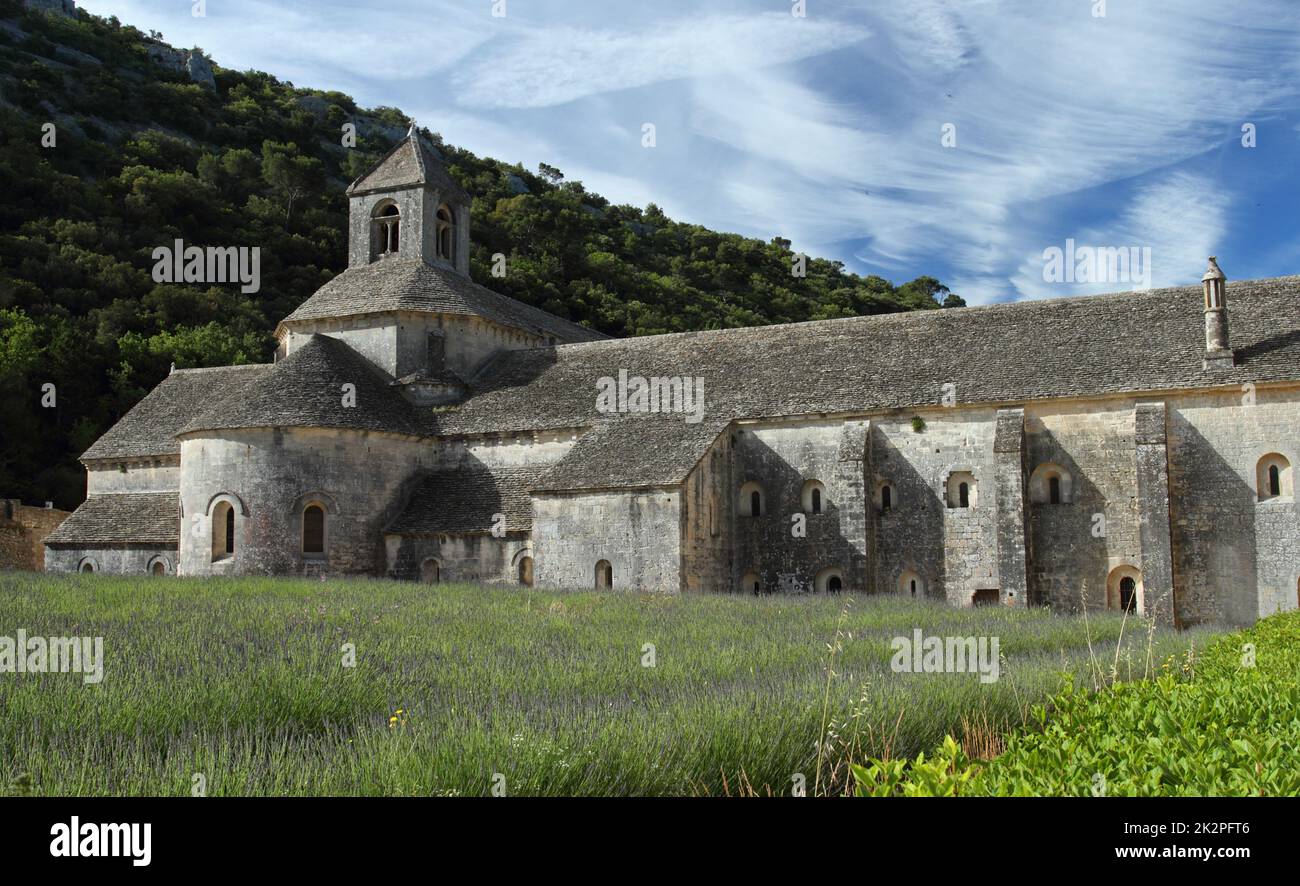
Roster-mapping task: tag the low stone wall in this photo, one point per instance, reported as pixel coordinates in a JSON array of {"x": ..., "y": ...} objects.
[{"x": 22, "y": 534}]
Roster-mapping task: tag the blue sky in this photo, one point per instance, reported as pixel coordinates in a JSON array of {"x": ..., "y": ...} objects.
[{"x": 1122, "y": 130}]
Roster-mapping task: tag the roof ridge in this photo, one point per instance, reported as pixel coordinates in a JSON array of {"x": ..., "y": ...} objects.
[
  {"x": 908, "y": 315},
  {"x": 214, "y": 368}
]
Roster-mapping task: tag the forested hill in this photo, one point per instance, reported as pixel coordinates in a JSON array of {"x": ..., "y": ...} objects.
[{"x": 151, "y": 144}]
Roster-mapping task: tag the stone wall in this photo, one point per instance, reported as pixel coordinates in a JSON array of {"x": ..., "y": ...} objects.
[
  {"x": 361, "y": 479},
  {"x": 708, "y": 520},
  {"x": 115, "y": 560},
  {"x": 782, "y": 459},
  {"x": 161, "y": 474},
  {"x": 463, "y": 556},
  {"x": 22, "y": 534},
  {"x": 953, "y": 550},
  {"x": 1077, "y": 544},
  {"x": 1236, "y": 558},
  {"x": 398, "y": 343},
  {"x": 638, "y": 532}
]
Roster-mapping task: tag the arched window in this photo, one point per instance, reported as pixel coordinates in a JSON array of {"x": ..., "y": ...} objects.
[
  {"x": 829, "y": 581},
  {"x": 313, "y": 530},
  {"x": 1050, "y": 484},
  {"x": 604, "y": 575},
  {"x": 384, "y": 230},
  {"x": 431, "y": 571},
  {"x": 1273, "y": 478},
  {"x": 1124, "y": 590},
  {"x": 813, "y": 496},
  {"x": 751, "y": 499},
  {"x": 223, "y": 531},
  {"x": 961, "y": 492},
  {"x": 910, "y": 584},
  {"x": 526, "y": 571},
  {"x": 751, "y": 584},
  {"x": 1127, "y": 594},
  {"x": 446, "y": 234}
]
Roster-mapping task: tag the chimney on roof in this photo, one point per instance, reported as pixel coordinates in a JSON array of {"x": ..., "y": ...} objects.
[{"x": 1217, "y": 353}]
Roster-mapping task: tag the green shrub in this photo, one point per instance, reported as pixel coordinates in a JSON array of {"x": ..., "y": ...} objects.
[{"x": 1226, "y": 724}]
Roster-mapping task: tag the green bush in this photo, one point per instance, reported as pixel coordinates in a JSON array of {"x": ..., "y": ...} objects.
[{"x": 1225, "y": 724}]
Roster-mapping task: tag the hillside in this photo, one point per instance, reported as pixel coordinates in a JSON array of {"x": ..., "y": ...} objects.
[{"x": 151, "y": 144}]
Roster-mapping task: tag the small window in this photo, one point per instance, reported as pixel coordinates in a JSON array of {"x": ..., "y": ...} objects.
[
  {"x": 313, "y": 530},
  {"x": 223, "y": 531},
  {"x": 751, "y": 499},
  {"x": 1273, "y": 478},
  {"x": 886, "y": 498},
  {"x": 446, "y": 234},
  {"x": 385, "y": 232},
  {"x": 1050, "y": 484},
  {"x": 813, "y": 497},
  {"x": 910, "y": 584},
  {"x": 1124, "y": 590},
  {"x": 1127, "y": 594},
  {"x": 961, "y": 492},
  {"x": 829, "y": 581}
]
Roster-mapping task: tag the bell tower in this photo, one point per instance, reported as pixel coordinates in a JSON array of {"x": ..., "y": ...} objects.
[{"x": 409, "y": 208}]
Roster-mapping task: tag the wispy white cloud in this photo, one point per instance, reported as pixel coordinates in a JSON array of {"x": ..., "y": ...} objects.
[{"x": 554, "y": 65}]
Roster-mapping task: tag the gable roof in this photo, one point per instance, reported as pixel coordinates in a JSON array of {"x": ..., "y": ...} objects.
[
  {"x": 305, "y": 389},
  {"x": 150, "y": 427},
  {"x": 1005, "y": 353},
  {"x": 408, "y": 164},
  {"x": 409, "y": 284},
  {"x": 122, "y": 518},
  {"x": 467, "y": 498}
]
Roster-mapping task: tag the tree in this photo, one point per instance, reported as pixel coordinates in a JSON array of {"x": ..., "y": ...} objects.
[{"x": 291, "y": 174}]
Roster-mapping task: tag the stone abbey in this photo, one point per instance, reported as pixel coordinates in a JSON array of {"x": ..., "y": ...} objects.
[{"x": 1128, "y": 451}]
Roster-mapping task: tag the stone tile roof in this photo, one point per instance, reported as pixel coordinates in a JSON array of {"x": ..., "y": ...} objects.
[
  {"x": 410, "y": 284},
  {"x": 123, "y": 518},
  {"x": 633, "y": 450},
  {"x": 467, "y": 499},
  {"x": 151, "y": 426},
  {"x": 305, "y": 389},
  {"x": 1005, "y": 353},
  {"x": 410, "y": 163}
]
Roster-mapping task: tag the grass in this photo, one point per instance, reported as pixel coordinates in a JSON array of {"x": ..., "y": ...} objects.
[
  {"x": 243, "y": 681},
  {"x": 1224, "y": 723}
]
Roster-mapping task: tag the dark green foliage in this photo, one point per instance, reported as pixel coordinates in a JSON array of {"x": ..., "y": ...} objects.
[{"x": 144, "y": 157}]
